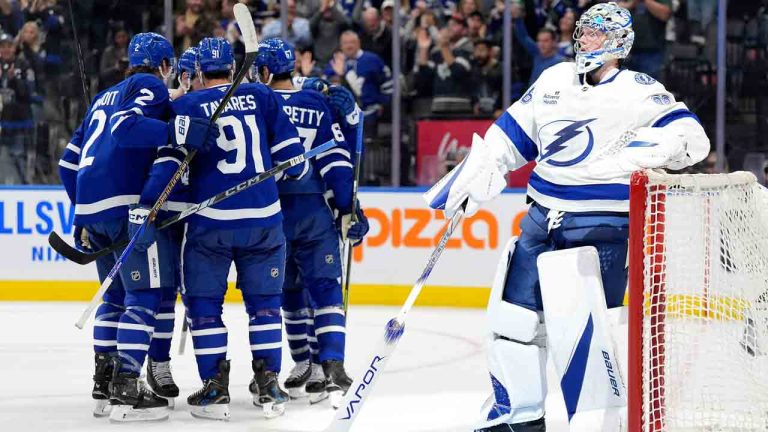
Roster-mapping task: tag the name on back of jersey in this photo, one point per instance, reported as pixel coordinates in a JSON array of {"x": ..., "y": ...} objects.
[
  {"x": 106, "y": 99},
  {"x": 237, "y": 103},
  {"x": 303, "y": 116}
]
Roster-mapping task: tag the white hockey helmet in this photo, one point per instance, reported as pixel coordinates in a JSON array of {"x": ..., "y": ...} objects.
[{"x": 612, "y": 20}]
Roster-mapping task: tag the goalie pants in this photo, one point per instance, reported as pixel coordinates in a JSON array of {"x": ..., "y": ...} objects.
[
  {"x": 136, "y": 315},
  {"x": 545, "y": 231}
]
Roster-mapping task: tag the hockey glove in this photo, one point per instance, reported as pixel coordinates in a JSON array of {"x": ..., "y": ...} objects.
[
  {"x": 654, "y": 148},
  {"x": 195, "y": 133},
  {"x": 351, "y": 229},
  {"x": 344, "y": 105},
  {"x": 316, "y": 84},
  {"x": 82, "y": 239},
  {"x": 136, "y": 216}
]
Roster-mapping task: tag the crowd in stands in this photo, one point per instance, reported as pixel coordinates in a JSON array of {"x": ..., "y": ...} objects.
[{"x": 451, "y": 63}]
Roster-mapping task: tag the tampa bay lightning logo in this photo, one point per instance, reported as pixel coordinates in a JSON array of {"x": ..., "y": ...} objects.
[
  {"x": 644, "y": 79},
  {"x": 566, "y": 142}
]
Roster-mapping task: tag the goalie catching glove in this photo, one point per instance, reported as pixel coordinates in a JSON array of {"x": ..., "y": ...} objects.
[{"x": 477, "y": 179}]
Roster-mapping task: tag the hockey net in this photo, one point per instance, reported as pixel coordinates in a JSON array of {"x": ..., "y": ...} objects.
[{"x": 698, "y": 295}]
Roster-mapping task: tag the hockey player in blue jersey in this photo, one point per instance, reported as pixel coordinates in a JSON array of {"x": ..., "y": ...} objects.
[
  {"x": 313, "y": 261},
  {"x": 186, "y": 74},
  {"x": 589, "y": 125},
  {"x": 245, "y": 229},
  {"x": 115, "y": 167}
]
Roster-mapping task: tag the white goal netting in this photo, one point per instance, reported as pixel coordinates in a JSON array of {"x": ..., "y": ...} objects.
[{"x": 705, "y": 303}]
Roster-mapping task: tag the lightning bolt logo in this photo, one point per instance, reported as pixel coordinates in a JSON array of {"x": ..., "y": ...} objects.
[{"x": 564, "y": 135}]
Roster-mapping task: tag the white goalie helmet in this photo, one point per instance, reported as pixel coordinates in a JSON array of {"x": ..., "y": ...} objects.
[{"x": 612, "y": 20}]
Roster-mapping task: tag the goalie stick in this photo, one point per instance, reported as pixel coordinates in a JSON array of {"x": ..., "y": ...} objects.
[
  {"x": 356, "y": 395},
  {"x": 77, "y": 256},
  {"x": 248, "y": 29},
  {"x": 355, "y": 185}
]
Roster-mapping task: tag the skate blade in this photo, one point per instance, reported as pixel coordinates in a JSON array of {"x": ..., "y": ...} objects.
[
  {"x": 171, "y": 402},
  {"x": 317, "y": 397},
  {"x": 211, "y": 412},
  {"x": 127, "y": 414},
  {"x": 102, "y": 408},
  {"x": 336, "y": 397},
  {"x": 272, "y": 409},
  {"x": 297, "y": 392}
]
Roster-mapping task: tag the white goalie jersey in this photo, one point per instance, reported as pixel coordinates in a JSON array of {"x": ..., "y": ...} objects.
[{"x": 571, "y": 129}]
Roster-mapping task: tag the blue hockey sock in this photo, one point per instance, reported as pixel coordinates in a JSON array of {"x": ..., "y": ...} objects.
[
  {"x": 265, "y": 329},
  {"x": 136, "y": 327},
  {"x": 105, "y": 327},
  {"x": 314, "y": 351},
  {"x": 330, "y": 331},
  {"x": 160, "y": 347},
  {"x": 209, "y": 334},
  {"x": 296, "y": 315}
]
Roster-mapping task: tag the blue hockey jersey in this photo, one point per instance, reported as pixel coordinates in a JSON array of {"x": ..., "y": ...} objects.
[
  {"x": 255, "y": 135},
  {"x": 368, "y": 78},
  {"x": 315, "y": 124},
  {"x": 122, "y": 139}
]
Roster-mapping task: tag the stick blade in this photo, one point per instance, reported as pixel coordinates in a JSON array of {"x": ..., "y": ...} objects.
[
  {"x": 247, "y": 27},
  {"x": 64, "y": 249}
]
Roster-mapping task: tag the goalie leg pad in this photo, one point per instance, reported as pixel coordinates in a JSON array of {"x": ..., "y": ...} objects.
[
  {"x": 580, "y": 341},
  {"x": 516, "y": 357}
]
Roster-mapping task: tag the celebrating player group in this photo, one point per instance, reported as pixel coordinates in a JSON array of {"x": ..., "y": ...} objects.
[{"x": 283, "y": 232}]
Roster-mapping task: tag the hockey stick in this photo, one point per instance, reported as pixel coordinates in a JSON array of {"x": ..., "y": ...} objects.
[
  {"x": 243, "y": 16},
  {"x": 355, "y": 183},
  {"x": 82, "y": 258},
  {"x": 184, "y": 331},
  {"x": 79, "y": 51},
  {"x": 356, "y": 395}
]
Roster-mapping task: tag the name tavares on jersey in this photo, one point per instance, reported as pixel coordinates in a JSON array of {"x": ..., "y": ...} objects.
[
  {"x": 303, "y": 116},
  {"x": 237, "y": 103}
]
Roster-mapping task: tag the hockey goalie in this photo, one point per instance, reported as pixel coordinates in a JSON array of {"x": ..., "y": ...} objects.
[{"x": 588, "y": 125}]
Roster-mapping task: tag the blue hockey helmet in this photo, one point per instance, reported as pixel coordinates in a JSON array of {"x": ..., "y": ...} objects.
[
  {"x": 187, "y": 62},
  {"x": 150, "y": 49},
  {"x": 215, "y": 55},
  {"x": 277, "y": 55}
]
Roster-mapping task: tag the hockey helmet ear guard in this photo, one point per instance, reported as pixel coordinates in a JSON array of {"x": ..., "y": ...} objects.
[{"x": 615, "y": 23}]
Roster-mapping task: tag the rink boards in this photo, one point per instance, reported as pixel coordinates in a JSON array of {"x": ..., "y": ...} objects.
[{"x": 391, "y": 258}]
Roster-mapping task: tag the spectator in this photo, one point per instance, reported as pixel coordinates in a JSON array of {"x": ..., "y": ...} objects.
[
  {"x": 566, "y": 25},
  {"x": 476, "y": 28},
  {"x": 193, "y": 25},
  {"x": 16, "y": 118},
  {"x": 298, "y": 28},
  {"x": 11, "y": 16},
  {"x": 486, "y": 79},
  {"x": 444, "y": 72},
  {"x": 365, "y": 74},
  {"x": 649, "y": 20},
  {"x": 388, "y": 11},
  {"x": 29, "y": 43},
  {"x": 114, "y": 60},
  {"x": 327, "y": 25},
  {"x": 543, "y": 50},
  {"x": 468, "y": 7},
  {"x": 700, "y": 14},
  {"x": 375, "y": 36},
  {"x": 306, "y": 65},
  {"x": 420, "y": 19}
]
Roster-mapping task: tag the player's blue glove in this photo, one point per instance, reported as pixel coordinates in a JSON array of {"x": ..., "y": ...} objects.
[
  {"x": 195, "y": 133},
  {"x": 344, "y": 105},
  {"x": 350, "y": 229},
  {"x": 137, "y": 214},
  {"x": 316, "y": 84},
  {"x": 82, "y": 239}
]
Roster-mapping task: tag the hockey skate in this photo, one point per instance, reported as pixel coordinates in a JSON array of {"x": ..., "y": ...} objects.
[
  {"x": 132, "y": 401},
  {"x": 315, "y": 387},
  {"x": 101, "y": 379},
  {"x": 161, "y": 381},
  {"x": 337, "y": 381},
  {"x": 531, "y": 426},
  {"x": 297, "y": 379},
  {"x": 212, "y": 401},
  {"x": 266, "y": 391}
]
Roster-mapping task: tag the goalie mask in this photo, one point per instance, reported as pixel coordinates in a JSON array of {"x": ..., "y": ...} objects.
[{"x": 605, "y": 19}]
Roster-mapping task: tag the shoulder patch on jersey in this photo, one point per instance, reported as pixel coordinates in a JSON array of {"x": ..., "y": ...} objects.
[
  {"x": 661, "y": 99},
  {"x": 644, "y": 79},
  {"x": 528, "y": 96}
]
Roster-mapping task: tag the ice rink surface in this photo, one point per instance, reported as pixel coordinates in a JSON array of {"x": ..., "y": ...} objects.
[{"x": 435, "y": 382}]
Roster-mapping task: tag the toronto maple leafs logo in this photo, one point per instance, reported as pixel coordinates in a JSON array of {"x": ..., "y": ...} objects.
[{"x": 565, "y": 142}]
